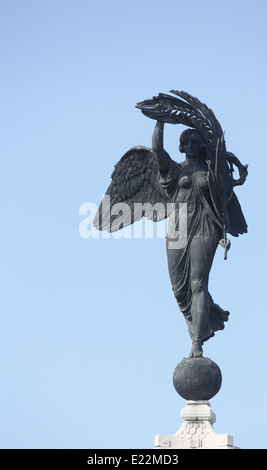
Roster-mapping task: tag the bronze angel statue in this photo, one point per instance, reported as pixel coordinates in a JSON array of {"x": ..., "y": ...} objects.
[{"x": 203, "y": 182}]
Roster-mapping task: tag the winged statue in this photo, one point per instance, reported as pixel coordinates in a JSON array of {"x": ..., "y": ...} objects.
[{"x": 150, "y": 180}]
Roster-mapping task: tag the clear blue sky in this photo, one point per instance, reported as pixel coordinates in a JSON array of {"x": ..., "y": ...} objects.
[{"x": 90, "y": 332}]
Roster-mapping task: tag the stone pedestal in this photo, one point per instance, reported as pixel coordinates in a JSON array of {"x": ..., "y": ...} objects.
[{"x": 197, "y": 431}]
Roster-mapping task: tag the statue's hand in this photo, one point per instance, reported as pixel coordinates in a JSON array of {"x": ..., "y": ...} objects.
[
  {"x": 243, "y": 173},
  {"x": 160, "y": 110},
  {"x": 162, "y": 107}
]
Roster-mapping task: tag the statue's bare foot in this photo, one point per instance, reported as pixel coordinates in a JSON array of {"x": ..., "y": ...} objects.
[{"x": 196, "y": 350}]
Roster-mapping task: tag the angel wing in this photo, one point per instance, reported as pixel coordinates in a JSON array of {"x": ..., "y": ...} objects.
[
  {"x": 189, "y": 111},
  {"x": 134, "y": 192}
]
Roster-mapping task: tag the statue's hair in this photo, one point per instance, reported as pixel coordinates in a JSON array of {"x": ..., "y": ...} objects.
[{"x": 185, "y": 134}]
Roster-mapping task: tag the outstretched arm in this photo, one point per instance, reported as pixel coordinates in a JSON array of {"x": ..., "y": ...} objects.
[{"x": 162, "y": 157}]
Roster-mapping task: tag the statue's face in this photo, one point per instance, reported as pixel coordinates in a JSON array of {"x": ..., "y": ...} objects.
[{"x": 192, "y": 145}]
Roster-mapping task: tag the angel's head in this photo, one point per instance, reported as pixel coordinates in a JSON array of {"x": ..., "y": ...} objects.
[{"x": 191, "y": 143}]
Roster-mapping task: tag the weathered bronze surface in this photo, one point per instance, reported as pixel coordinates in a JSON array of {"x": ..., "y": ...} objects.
[{"x": 148, "y": 182}]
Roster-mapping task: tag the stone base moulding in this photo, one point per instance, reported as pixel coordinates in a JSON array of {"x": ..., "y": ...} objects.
[{"x": 197, "y": 431}]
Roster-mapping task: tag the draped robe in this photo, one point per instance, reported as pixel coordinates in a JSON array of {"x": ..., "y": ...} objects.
[{"x": 204, "y": 231}]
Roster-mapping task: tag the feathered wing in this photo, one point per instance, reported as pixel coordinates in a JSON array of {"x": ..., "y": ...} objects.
[
  {"x": 189, "y": 111},
  {"x": 134, "y": 192}
]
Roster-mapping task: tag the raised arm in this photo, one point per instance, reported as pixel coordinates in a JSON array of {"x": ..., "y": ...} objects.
[{"x": 162, "y": 157}]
